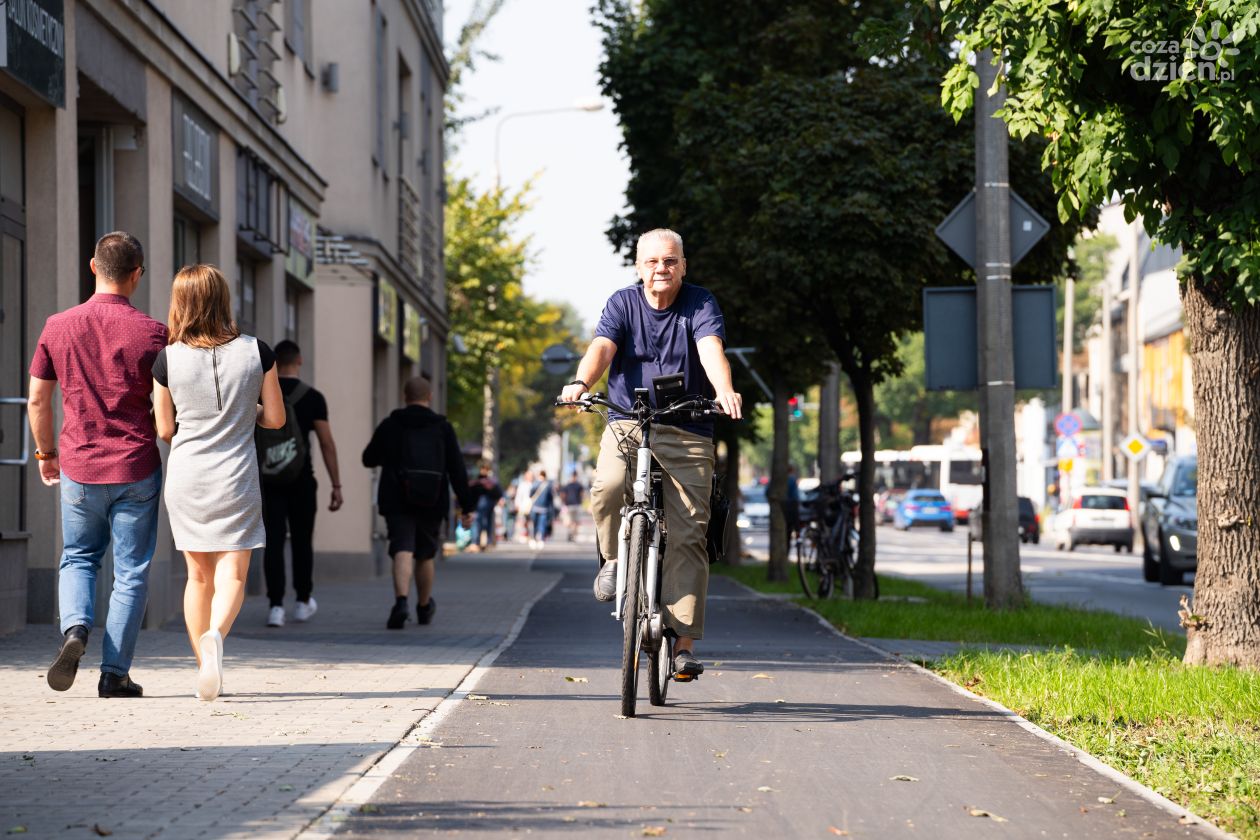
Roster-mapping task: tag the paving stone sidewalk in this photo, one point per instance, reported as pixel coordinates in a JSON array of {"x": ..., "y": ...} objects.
[{"x": 307, "y": 709}]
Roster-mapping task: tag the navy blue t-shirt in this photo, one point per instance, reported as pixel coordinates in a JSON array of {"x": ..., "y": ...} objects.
[{"x": 653, "y": 342}]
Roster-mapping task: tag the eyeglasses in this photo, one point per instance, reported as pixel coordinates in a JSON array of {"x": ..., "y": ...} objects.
[
  {"x": 142, "y": 269},
  {"x": 669, "y": 263}
]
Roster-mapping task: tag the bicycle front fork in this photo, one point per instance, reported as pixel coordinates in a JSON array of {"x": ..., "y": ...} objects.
[{"x": 650, "y": 573}]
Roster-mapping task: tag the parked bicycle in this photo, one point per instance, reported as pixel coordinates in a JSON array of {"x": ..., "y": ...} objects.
[
  {"x": 827, "y": 543},
  {"x": 641, "y": 546}
]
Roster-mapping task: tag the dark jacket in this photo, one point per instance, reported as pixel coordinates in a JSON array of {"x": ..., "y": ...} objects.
[{"x": 385, "y": 451}]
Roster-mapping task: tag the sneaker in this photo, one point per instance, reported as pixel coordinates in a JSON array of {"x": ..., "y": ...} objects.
[
  {"x": 275, "y": 617},
  {"x": 397, "y": 616},
  {"x": 305, "y": 609},
  {"x": 64, "y": 668},
  {"x": 112, "y": 685},
  {"x": 606, "y": 582},
  {"x": 424, "y": 613},
  {"x": 210, "y": 677},
  {"x": 686, "y": 666}
]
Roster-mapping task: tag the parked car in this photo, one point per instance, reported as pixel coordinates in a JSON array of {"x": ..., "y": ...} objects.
[
  {"x": 1098, "y": 516},
  {"x": 924, "y": 507},
  {"x": 1029, "y": 522},
  {"x": 886, "y": 505},
  {"x": 1170, "y": 523},
  {"x": 754, "y": 512}
]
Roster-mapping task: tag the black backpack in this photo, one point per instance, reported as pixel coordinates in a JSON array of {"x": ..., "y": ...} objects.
[
  {"x": 282, "y": 452},
  {"x": 719, "y": 511},
  {"x": 422, "y": 473}
]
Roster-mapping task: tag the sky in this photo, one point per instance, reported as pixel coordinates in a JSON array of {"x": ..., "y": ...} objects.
[{"x": 548, "y": 60}]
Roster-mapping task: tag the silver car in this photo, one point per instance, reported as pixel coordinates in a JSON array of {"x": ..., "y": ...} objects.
[{"x": 1170, "y": 523}]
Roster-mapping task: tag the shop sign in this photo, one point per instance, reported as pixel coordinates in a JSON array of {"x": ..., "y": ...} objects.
[
  {"x": 413, "y": 329},
  {"x": 196, "y": 163},
  {"x": 300, "y": 261},
  {"x": 33, "y": 46},
  {"x": 386, "y": 311}
]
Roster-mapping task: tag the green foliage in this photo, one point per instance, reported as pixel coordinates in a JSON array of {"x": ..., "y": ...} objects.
[
  {"x": 1091, "y": 253},
  {"x": 802, "y": 441},
  {"x": 1178, "y": 149}
]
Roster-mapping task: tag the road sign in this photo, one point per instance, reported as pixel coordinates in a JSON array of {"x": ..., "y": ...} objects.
[
  {"x": 558, "y": 359},
  {"x": 1067, "y": 424},
  {"x": 1068, "y": 447},
  {"x": 958, "y": 231},
  {"x": 1135, "y": 447},
  {"x": 1065, "y": 465},
  {"x": 950, "y": 337}
]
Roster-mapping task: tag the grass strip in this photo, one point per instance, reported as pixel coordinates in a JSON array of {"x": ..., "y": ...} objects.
[{"x": 1112, "y": 685}]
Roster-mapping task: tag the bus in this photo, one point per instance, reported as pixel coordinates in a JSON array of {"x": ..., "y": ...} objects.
[{"x": 954, "y": 470}]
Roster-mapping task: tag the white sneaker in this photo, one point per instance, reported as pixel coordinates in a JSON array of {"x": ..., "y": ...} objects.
[
  {"x": 275, "y": 618},
  {"x": 210, "y": 677},
  {"x": 304, "y": 610}
]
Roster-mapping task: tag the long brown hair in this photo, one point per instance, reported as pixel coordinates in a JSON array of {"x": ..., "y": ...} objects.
[{"x": 201, "y": 308}]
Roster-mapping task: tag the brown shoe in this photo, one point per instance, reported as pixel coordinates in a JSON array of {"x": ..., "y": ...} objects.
[{"x": 62, "y": 672}]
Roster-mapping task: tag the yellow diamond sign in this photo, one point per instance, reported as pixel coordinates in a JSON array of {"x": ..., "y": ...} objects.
[{"x": 1135, "y": 447}]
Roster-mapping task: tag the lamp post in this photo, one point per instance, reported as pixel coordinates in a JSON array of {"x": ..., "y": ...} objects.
[{"x": 490, "y": 412}]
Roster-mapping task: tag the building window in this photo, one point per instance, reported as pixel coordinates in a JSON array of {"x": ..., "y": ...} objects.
[
  {"x": 252, "y": 58},
  {"x": 378, "y": 154},
  {"x": 244, "y": 302},
  {"x": 187, "y": 242},
  {"x": 259, "y": 195},
  {"x": 292, "y": 298},
  {"x": 298, "y": 30}
]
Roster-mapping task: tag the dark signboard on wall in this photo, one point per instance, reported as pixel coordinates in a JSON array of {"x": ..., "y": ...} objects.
[
  {"x": 33, "y": 46},
  {"x": 196, "y": 163}
]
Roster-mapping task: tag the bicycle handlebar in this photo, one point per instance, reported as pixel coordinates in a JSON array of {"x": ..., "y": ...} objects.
[{"x": 695, "y": 408}]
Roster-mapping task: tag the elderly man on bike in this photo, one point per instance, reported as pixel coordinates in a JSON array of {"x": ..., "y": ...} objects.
[{"x": 656, "y": 327}]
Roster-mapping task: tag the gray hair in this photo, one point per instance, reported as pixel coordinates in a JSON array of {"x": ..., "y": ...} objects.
[{"x": 658, "y": 233}]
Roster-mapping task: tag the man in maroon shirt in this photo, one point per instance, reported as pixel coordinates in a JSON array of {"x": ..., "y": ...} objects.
[{"x": 107, "y": 464}]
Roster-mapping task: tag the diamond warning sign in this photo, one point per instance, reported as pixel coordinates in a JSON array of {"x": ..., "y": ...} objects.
[{"x": 1135, "y": 447}]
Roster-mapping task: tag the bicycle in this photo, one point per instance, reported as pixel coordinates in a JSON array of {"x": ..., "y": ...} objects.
[
  {"x": 827, "y": 546},
  {"x": 641, "y": 546}
]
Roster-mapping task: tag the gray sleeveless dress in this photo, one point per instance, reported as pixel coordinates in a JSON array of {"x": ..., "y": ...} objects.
[{"x": 212, "y": 492}]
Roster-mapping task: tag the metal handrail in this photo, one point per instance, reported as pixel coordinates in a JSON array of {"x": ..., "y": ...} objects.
[{"x": 26, "y": 439}]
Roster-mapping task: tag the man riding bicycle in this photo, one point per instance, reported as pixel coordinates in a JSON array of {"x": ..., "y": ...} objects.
[{"x": 656, "y": 327}]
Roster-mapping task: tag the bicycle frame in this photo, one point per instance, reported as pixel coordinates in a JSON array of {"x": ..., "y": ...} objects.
[{"x": 642, "y": 506}]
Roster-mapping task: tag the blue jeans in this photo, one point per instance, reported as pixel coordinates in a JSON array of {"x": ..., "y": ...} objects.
[
  {"x": 483, "y": 522},
  {"x": 541, "y": 519},
  {"x": 90, "y": 515}
]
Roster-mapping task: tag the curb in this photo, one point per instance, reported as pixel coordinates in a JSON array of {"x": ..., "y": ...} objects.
[
  {"x": 1127, "y": 782},
  {"x": 417, "y": 737}
]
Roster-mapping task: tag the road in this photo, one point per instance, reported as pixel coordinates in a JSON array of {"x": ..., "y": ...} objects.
[
  {"x": 793, "y": 731},
  {"x": 1095, "y": 577}
]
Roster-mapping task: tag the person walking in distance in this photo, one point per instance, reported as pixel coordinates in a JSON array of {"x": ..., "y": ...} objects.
[
  {"x": 420, "y": 462},
  {"x": 524, "y": 491},
  {"x": 571, "y": 497},
  {"x": 106, "y": 460},
  {"x": 661, "y": 326},
  {"x": 289, "y": 488},
  {"x": 208, "y": 384},
  {"x": 542, "y": 499},
  {"x": 486, "y": 493}
]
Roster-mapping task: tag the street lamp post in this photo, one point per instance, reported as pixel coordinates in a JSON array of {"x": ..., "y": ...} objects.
[{"x": 490, "y": 412}]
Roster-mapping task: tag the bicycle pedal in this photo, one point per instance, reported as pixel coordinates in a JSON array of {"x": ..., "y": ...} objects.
[{"x": 685, "y": 677}]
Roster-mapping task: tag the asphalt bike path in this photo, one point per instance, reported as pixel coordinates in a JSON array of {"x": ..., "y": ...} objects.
[{"x": 793, "y": 731}]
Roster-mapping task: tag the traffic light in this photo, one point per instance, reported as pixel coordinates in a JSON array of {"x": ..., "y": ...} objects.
[{"x": 794, "y": 407}]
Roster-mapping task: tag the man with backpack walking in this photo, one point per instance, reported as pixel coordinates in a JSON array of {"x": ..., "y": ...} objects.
[
  {"x": 289, "y": 486},
  {"x": 420, "y": 462}
]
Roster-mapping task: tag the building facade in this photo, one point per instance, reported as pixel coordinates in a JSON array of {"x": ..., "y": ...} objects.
[{"x": 296, "y": 144}]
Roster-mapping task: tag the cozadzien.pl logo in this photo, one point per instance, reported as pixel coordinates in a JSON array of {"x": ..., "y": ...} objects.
[{"x": 1203, "y": 55}]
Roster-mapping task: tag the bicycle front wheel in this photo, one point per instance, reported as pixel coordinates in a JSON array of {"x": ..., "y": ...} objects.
[
  {"x": 816, "y": 576},
  {"x": 633, "y": 613}
]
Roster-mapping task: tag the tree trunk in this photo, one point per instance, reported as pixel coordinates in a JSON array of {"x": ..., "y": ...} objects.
[
  {"x": 864, "y": 393},
  {"x": 777, "y": 490},
  {"x": 490, "y": 421},
  {"x": 1224, "y": 626}
]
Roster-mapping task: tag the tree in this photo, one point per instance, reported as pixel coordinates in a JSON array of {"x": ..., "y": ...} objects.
[
  {"x": 1175, "y": 130},
  {"x": 906, "y": 410}
]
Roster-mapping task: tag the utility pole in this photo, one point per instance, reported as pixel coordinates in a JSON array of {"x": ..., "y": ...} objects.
[
  {"x": 1003, "y": 586},
  {"x": 1069, "y": 301},
  {"x": 829, "y": 426},
  {"x": 1108, "y": 387},
  {"x": 1135, "y": 367}
]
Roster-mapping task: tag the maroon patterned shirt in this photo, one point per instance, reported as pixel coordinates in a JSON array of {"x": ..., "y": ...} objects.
[{"x": 101, "y": 352}]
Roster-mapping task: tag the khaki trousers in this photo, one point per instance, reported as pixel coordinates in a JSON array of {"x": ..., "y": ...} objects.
[{"x": 687, "y": 461}]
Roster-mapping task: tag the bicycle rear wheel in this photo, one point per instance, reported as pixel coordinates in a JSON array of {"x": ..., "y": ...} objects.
[
  {"x": 633, "y": 614},
  {"x": 660, "y": 671},
  {"x": 817, "y": 576}
]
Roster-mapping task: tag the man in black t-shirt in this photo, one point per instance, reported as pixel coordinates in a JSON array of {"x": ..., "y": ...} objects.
[{"x": 292, "y": 506}]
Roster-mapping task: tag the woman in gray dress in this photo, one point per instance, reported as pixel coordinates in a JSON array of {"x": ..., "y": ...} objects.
[{"x": 212, "y": 385}]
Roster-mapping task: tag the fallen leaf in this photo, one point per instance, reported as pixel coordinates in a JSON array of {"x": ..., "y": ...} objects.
[
  {"x": 100, "y": 830},
  {"x": 548, "y": 787},
  {"x": 902, "y": 779},
  {"x": 780, "y": 700},
  {"x": 286, "y": 787},
  {"x": 1186, "y": 819},
  {"x": 1106, "y": 800},
  {"x": 653, "y": 830},
  {"x": 839, "y": 832},
  {"x": 717, "y": 664},
  {"x": 721, "y": 754},
  {"x": 766, "y": 789},
  {"x": 1120, "y": 813},
  {"x": 586, "y": 803},
  {"x": 570, "y": 819},
  {"x": 576, "y": 679},
  {"x": 762, "y": 677},
  {"x": 499, "y": 703},
  {"x": 980, "y": 812},
  {"x": 478, "y": 697},
  {"x": 17, "y": 829},
  {"x": 745, "y": 810}
]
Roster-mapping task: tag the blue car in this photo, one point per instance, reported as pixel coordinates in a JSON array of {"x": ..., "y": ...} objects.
[{"x": 924, "y": 507}]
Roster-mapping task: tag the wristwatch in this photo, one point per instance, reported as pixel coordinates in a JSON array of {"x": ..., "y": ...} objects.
[
  {"x": 45, "y": 456},
  {"x": 580, "y": 382}
]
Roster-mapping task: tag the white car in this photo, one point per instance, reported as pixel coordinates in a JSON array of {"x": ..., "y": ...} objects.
[
  {"x": 754, "y": 513},
  {"x": 1097, "y": 516}
]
